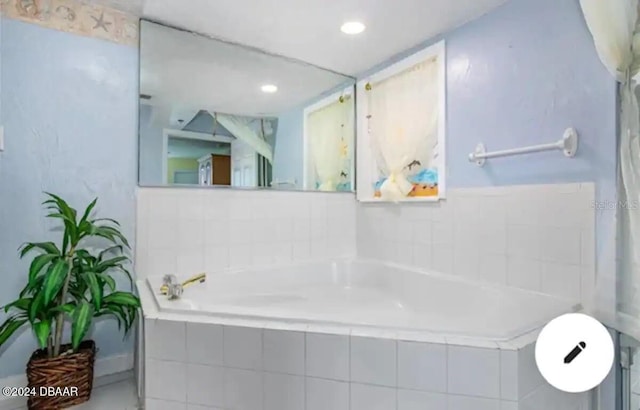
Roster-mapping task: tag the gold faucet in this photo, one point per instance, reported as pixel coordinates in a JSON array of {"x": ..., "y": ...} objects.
[{"x": 170, "y": 280}]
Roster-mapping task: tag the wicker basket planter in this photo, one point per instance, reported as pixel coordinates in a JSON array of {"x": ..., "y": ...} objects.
[{"x": 69, "y": 371}]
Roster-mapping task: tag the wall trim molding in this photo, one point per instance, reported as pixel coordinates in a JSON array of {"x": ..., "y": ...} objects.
[
  {"x": 106, "y": 366},
  {"x": 76, "y": 17}
]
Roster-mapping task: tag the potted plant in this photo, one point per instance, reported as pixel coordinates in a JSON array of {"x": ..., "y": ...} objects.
[{"x": 69, "y": 282}]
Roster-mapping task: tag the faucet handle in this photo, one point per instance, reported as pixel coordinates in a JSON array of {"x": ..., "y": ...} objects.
[
  {"x": 169, "y": 279},
  {"x": 174, "y": 291}
]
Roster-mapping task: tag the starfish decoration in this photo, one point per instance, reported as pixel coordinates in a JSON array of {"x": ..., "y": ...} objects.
[{"x": 100, "y": 22}]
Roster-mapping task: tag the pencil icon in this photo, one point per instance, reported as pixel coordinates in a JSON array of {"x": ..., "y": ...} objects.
[{"x": 575, "y": 352}]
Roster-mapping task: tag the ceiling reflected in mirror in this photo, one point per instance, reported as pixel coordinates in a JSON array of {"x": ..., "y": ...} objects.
[{"x": 215, "y": 113}]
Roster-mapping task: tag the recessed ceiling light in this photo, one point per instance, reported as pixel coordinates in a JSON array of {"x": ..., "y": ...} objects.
[
  {"x": 269, "y": 88},
  {"x": 353, "y": 27}
]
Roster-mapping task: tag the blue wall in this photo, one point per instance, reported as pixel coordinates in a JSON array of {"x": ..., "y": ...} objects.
[
  {"x": 69, "y": 106},
  {"x": 287, "y": 154},
  {"x": 150, "y": 146}
]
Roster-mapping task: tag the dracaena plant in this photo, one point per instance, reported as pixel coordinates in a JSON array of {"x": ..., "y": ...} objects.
[{"x": 71, "y": 281}]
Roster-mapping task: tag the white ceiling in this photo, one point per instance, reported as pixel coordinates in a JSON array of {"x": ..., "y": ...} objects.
[
  {"x": 186, "y": 71},
  {"x": 309, "y": 30}
]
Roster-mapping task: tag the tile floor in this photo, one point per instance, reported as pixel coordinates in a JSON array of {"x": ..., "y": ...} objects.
[{"x": 121, "y": 395}]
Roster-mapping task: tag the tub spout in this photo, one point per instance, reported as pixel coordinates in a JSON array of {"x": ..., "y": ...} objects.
[{"x": 174, "y": 290}]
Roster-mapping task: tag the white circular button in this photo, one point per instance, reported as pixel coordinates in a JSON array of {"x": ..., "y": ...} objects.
[{"x": 574, "y": 353}]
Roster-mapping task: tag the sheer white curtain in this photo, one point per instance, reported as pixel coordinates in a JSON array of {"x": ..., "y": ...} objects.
[
  {"x": 329, "y": 129},
  {"x": 241, "y": 128},
  {"x": 403, "y": 122},
  {"x": 613, "y": 25}
]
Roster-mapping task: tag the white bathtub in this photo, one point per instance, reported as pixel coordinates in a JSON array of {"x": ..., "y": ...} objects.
[{"x": 361, "y": 294}]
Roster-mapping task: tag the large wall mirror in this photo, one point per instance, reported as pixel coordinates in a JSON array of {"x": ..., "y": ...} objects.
[{"x": 219, "y": 114}]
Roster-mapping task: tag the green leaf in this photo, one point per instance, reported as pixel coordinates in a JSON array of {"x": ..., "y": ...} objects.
[
  {"x": 9, "y": 327},
  {"x": 87, "y": 211},
  {"x": 35, "y": 306},
  {"x": 110, "y": 263},
  {"x": 38, "y": 263},
  {"x": 95, "y": 288},
  {"x": 32, "y": 289},
  {"x": 70, "y": 231},
  {"x": 48, "y": 247},
  {"x": 55, "y": 280},
  {"x": 110, "y": 249},
  {"x": 81, "y": 321},
  {"x": 22, "y": 304},
  {"x": 122, "y": 298},
  {"x": 108, "y": 280},
  {"x": 110, "y": 233},
  {"x": 42, "y": 330},
  {"x": 113, "y": 221},
  {"x": 66, "y": 308}
]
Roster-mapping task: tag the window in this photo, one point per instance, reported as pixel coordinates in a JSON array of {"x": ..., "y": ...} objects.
[{"x": 401, "y": 130}]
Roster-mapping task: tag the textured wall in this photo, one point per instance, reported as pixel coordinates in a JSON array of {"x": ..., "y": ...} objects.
[
  {"x": 69, "y": 107},
  {"x": 287, "y": 155}
]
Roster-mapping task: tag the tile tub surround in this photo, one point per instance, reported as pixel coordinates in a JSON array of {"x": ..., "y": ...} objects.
[
  {"x": 188, "y": 231},
  {"x": 536, "y": 237},
  {"x": 242, "y": 367}
]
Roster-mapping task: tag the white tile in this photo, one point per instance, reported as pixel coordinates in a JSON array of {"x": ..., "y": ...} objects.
[
  {"x": 473, "y": 371},
  {"x": 493, "y": 268},
  {"x": 205, "y": 385},
  {"x": 301, "y": 229},
  {"x": 529, "y": 378},
  {"x": 561, "y": 245},
  {"x": 216, "y": 258},
  {"x": 324, "y": 394},
  {"x": 154, "y": 404},
  {"x": 422, "y": 232},
  {"x": 422, "y": 256},
  {"x": 216, "y": 232},
  {"x": 242, "y": 389},
  {"x": 366, "y": 397},
  {"x": 204, "y": 343},
  {"x": 163, "y": 204},
  {"x": 163, "y": 233},
  {"x": 561, "y": 280},
  {"x": 523, "y": 241},
  {"x": 493, "y": 239},
  {"x": 442, "y": 258},
  {"x": 240, "y": 256},
  {"x": 587, "y": 246},
  {"x": 243, "y": 347},
  {"x": 165, "y": 340},
  {"x": 327, "y": 356},
  {"x": 373, "y": 361},
  {"x": 523, "y": 272},
  {"x": 422, "y": 366},
  {"x": 442, "y": 233},
  {"x": 169, "y": 381},
  {"x": 161, "y": 262},
  {"x": 283, "y": 351},
  {"x": 190, "y": 233},
  {"x": 301, "y": 250},
  {"x": 190, "y": 262},
  {"x": 508, "y": 405},
  {"x": 509, "y": 374},
  {"x": 283, "y": 392},
  {"x": 418, "y": 400},
  {"x": 466, "y": 260},
  {"x": 472, "y": 403}
]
